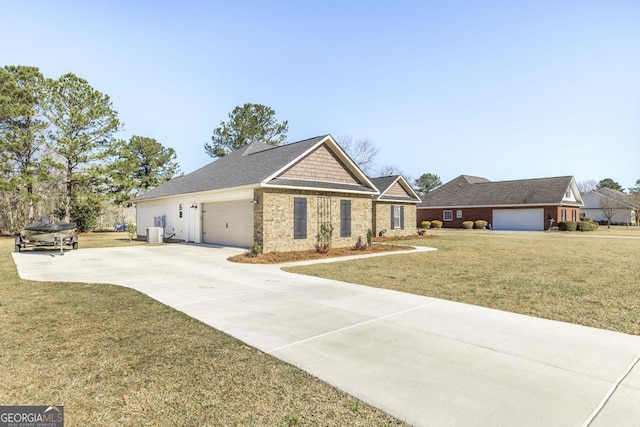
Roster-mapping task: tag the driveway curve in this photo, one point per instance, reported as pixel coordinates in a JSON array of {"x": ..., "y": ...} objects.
[{"x": 426, "y": 361}]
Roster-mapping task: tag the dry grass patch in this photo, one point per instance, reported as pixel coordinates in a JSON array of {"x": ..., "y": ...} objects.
[
  {"x": 113, "y": 356},
  {"x": 588, "y": 281}
]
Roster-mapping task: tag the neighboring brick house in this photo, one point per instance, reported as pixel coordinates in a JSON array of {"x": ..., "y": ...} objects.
[
  {"x": 526, "y": 204},
  {"x": 394, "y": 209},
  {"x": 277, "y": 196}
]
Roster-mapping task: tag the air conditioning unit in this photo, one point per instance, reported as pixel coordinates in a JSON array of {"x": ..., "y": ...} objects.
[{"x": 155, "y": 234}]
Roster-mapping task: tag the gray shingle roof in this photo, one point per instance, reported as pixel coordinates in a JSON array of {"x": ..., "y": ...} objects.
[
  {"x": 249, "y": 165},
  {"x": 620, "y": 197},
  {"x": 476, "y": 191}
]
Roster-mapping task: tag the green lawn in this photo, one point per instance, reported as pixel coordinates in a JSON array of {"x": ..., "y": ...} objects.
[
  {"x": 584, "y": 278},
  {"x": 113, "y": 357}
]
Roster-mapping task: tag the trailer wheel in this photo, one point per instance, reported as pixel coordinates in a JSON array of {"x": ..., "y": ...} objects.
[
  {"x": 18, "y": 247},
  {"x": 74, "y": 245}
]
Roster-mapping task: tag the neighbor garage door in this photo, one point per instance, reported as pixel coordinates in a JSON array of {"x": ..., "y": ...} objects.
[
  {"x": 518, "y": 219},
  {"x": 228, "y": 223}
]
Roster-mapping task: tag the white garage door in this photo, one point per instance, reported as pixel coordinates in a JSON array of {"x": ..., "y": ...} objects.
[
  {"x": 228, "y": 223},
  {"x": 518, "y": 219}
]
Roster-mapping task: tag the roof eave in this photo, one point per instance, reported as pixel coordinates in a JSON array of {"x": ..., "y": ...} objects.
[
  {"x": 499, "y": 206},
  {"x": 196, "y": 194},
  {"x": 317, "y": 189}
]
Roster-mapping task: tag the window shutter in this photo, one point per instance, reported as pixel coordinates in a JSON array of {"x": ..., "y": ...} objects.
[
  {"x": 345, "y": 218},
  {"x": 402, "y": 217},
  {"x": 299, "y": 218},
  {"x": 392, "y": 213}
]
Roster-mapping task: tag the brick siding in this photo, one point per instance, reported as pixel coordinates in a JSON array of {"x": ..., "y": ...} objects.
[
  {"x": 382, "y": 219},
  {"x": 273, "y": 219},
  {"x": 473, "y": 214}
]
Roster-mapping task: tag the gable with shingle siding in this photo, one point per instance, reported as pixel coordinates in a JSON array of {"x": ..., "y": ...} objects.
[
  {"x": 397, "y": 190},
  {"x": 320, "y": 165}
]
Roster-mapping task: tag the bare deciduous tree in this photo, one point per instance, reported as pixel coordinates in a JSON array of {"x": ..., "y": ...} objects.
[
  {"x": 610, "y": 207},
  {"x": 587, "y": 185},
  {"x": 362, "y": 151}
]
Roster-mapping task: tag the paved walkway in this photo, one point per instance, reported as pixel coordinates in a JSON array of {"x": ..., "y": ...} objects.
[{"x": 426, "y": 361}]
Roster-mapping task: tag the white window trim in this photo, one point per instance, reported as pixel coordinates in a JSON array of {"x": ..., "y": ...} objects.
[
  {"x": 396, "y": 217},
  {"x": 459, "y": 214},
  {"x": 444, "y": 215}
]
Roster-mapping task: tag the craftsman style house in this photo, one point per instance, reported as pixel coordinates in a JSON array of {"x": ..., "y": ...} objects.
[{"x": 283, "y": 198}]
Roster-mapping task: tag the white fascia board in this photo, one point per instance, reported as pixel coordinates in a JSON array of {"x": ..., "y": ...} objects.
[
  {"x": 336, "y": 149},
  {"x": 397, "y": 201},
  {"x": 316, "y": 189},
  {"x": 405, "y": 185},
  {"x": 220, "y": 195}
]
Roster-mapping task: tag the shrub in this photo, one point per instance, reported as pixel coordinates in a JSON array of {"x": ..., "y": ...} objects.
[
  {"x": 593, "y": 226},
  {"x": 584, "y": 226},
  {"x": 568, "y": 225},
  {"x": 425, "y": 224},
  {"x": 467, "y": 225},
  {"x": 254, "y": 250},
  {"x": 436, "y": 223},
  {"x": 131, "y": 231},
  {"x": 324, "y": 238},
  {"x": 585, "y": 219},
  {"x": 369, "y": 237},
  {"x": 359, "y": 245},
  {"x": 481, "y": 224}
]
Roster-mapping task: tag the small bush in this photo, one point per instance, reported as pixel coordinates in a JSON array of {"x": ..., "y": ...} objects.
[
  {"x": 360, "y": 246},
  {"x": 467, "y": 225},
  {"x": 584, "y": 226},
  {"x": 369, "y": 237},
  {"x": 132, "y": 231},
  {"x": 436, "y": 224},
  {"x": 425, "y": 224},
  {"x": 481, "y": 224},
  {"x": 568, "y": 225},
  {"x": 254, "y": 250},
  {"x": 585, "y": 218},
  {"x": 324, "y": 238},
  {"x": 593, "y": 226}
]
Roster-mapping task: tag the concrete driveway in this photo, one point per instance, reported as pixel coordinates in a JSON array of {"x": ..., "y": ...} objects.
[{"x": 426, "y": 361}]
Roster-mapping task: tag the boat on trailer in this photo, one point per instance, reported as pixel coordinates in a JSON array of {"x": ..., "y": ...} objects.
[{"x": 45, "y": 233}]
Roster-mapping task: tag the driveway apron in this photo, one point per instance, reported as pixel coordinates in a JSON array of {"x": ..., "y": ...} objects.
[{"x": 426, "y": 361}]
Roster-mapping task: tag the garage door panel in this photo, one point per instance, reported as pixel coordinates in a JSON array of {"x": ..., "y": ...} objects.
[
  {"x": 228, "y": 223},
  {"x": 518, "y": 219}
]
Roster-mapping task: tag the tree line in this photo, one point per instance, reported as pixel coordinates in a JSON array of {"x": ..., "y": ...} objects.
[
  {"x": 59, "y": 155},
  {"x": 60, "y": 158}
]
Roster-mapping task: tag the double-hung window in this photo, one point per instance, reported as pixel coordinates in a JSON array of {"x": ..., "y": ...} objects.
[{"x": 397, "y": 217}]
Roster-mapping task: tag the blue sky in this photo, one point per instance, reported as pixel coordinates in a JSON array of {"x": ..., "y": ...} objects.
[{"x": 499, "y": 89}]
